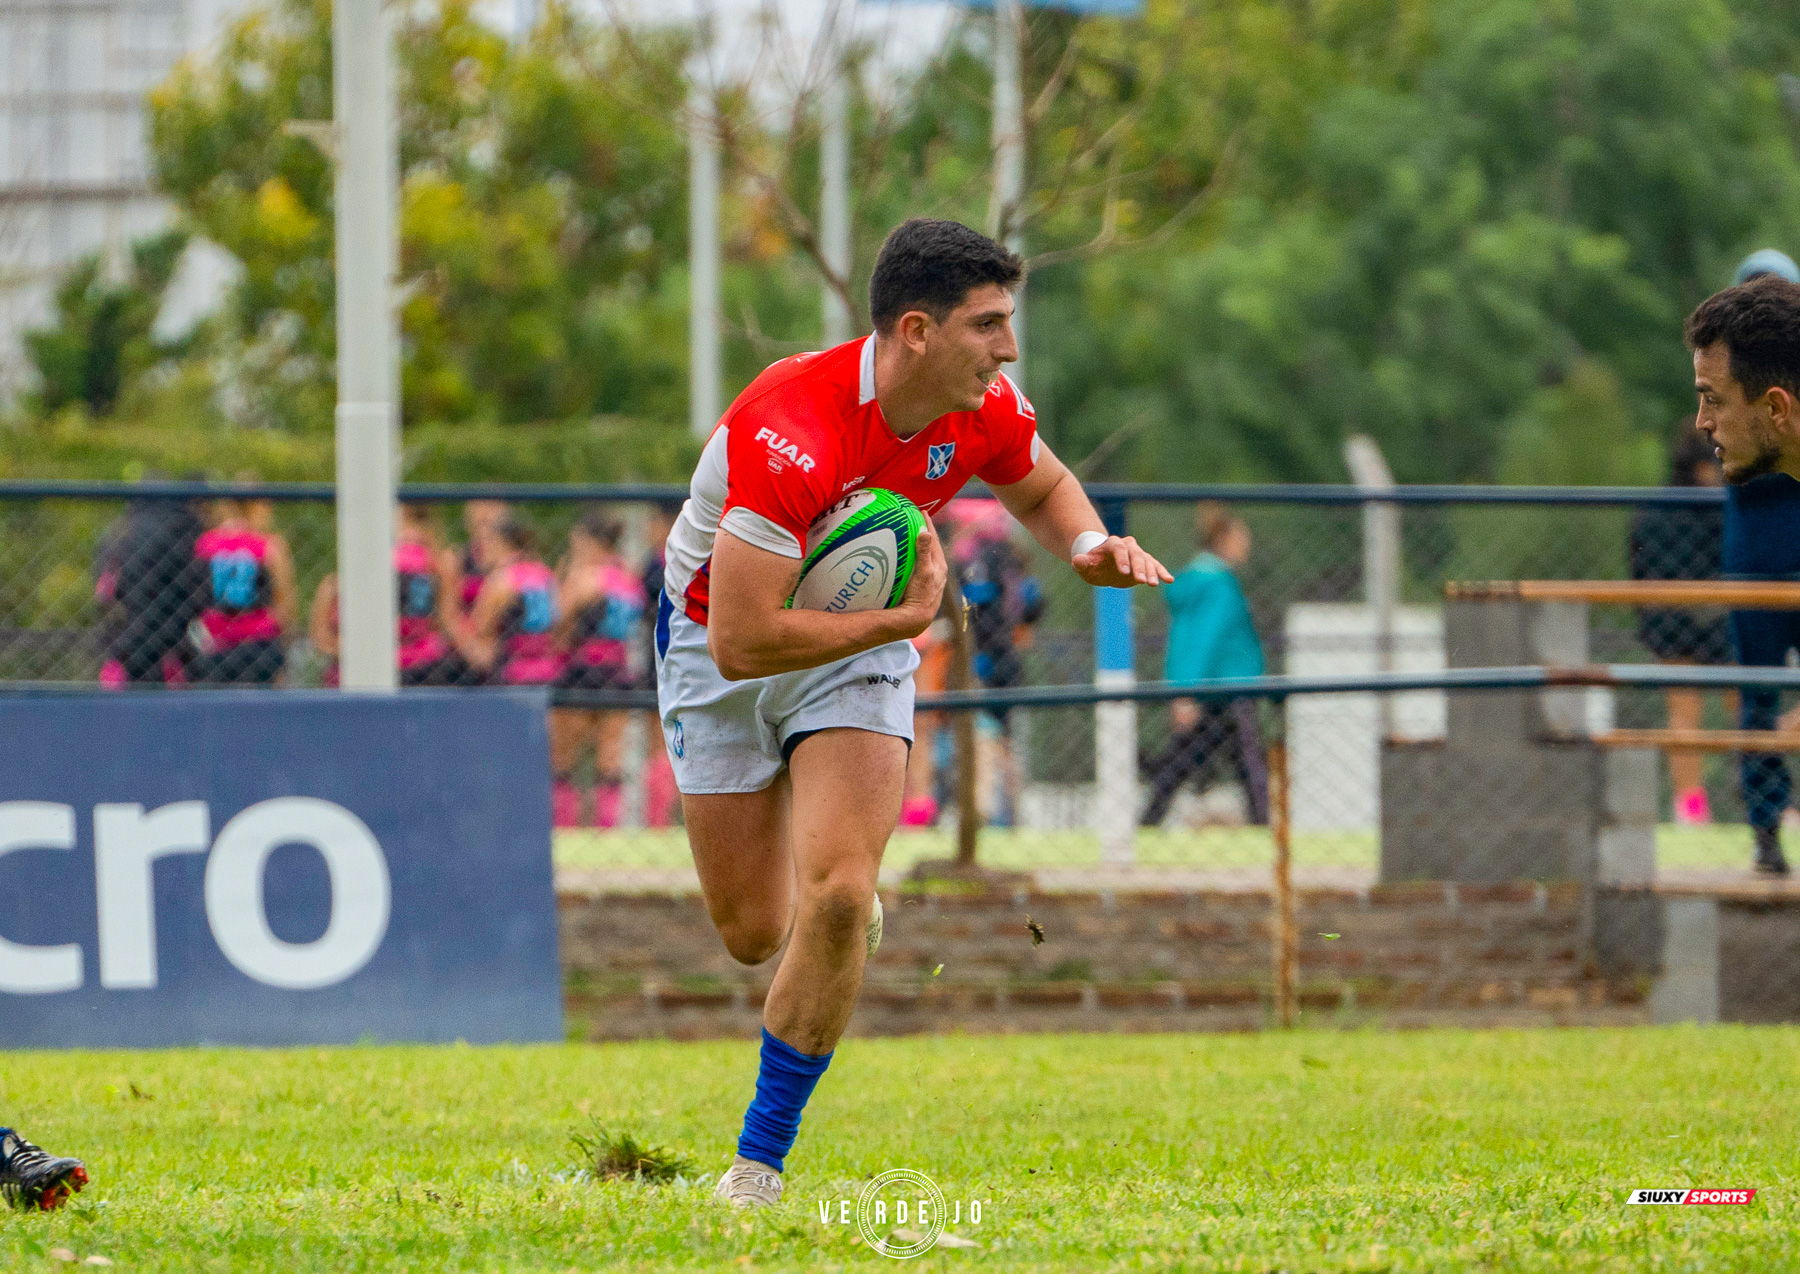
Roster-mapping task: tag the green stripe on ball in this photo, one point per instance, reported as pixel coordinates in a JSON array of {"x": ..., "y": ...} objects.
[{"x": 886, "y": 510}]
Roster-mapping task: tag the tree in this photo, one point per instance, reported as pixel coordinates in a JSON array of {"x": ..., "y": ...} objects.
[
  {"x": 1450, "y": 225},
  {"x": 542, "y": 208},
  {"x": 104, "y": 336}
]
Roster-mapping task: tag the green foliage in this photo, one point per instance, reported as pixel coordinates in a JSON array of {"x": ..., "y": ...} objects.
[
  {"x": 1469, "y": 228},
  {"x": 1445, "y": 224},
  {"x": 542, "y": 202},
  {"x": 103, "y": 340}
]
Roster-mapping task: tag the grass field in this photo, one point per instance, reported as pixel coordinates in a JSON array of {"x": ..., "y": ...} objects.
[
  {"x": 1298, "y": 1152},
  {"x": 1718, "y": 847}
]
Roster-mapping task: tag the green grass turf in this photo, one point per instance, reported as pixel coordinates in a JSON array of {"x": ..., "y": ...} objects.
[
  {"x": 1717, "y": 847},
  {"x": 1306, "y": 1151}
]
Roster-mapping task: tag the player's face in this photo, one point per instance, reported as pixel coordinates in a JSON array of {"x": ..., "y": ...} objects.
[
  {"x": 1740, "y": 429},
  {"x": 967, "y": 350}
]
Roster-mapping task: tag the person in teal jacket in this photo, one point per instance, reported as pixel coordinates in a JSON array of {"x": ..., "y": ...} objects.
[{"x": 1211, "y": 637}]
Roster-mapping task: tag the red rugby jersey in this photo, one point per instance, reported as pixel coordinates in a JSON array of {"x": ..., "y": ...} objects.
[{"x": 808, "y": 432}]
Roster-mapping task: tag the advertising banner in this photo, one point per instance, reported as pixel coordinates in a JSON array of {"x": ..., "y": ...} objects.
[{"x": 275, "y": 867}]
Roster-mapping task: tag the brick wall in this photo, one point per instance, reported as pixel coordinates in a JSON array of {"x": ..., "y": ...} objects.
[{"x": 1411, "y": 955}]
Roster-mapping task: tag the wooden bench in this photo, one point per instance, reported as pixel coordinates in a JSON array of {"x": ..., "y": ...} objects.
[
  {"x": 1676, "y": 593},
  {"x": 1702, "y": 740}
]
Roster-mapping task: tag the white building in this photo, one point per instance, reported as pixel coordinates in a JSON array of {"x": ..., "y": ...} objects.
[{"x": 74, "y": 155}]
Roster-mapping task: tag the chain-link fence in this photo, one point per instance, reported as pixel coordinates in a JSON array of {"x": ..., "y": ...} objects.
[
  {"x": 180, "y": 585},
  {"x": 1642, "y": 795}
]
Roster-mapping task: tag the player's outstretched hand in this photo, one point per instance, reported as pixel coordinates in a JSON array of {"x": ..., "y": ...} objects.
[
  {"x": 925, "y": 591},
  {"x": 1118, "y": 562}
]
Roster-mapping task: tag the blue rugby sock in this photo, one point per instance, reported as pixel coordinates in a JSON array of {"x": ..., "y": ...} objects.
[{"x": 783, "y": 1083}]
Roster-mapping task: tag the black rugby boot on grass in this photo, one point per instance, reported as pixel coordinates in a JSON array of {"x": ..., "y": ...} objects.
[{"x": 32, "y": 1179}]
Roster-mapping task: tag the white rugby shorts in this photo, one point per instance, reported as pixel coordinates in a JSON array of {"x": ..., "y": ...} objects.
[{"x": 732, "y": 736}]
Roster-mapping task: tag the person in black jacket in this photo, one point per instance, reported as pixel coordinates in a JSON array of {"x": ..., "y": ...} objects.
[
  {"x": 1746, "y": 343},
  {"x": 159, "y": 586},
  {"x": 1684, "y": 541}
]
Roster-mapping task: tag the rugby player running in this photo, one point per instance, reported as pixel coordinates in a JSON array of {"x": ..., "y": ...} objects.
[{"x": 788, "y": 729}]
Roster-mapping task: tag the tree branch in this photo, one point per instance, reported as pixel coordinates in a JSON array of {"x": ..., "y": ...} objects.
[{"x": 1156, "y": 238}]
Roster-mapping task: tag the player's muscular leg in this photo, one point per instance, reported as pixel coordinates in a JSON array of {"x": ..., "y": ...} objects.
[
  {"x": 740, "y": 843},
  {"x": 847, "y": 789}
]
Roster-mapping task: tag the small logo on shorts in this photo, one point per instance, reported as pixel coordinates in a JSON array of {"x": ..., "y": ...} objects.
[
  {"x": 937, "y": 461},
  {"x": 884, "y": 678},
  {"x": 680, "y": 740}
]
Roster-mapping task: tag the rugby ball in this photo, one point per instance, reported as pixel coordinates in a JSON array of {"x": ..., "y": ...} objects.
[{"x": 860, "y": 555}]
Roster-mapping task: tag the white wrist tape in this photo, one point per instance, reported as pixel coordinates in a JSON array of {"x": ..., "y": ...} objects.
[{"x": 1087, "y": 542}]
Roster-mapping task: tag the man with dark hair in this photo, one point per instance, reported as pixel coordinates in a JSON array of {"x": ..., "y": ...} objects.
[
  {"x": 932, "y": 266},
  {"x": 788, "y": 728},
  {"x": 1746, "y": 344}
]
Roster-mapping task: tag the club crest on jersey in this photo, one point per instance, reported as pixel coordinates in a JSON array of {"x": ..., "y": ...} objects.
[
  {"x": 937, "y": 461},
  {"x": 781, "y": 449}
]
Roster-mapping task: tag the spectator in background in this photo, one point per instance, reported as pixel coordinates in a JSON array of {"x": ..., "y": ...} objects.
[
  {"x": 1004, "y": 600},
  {"x": 109, "y": 553},
  {"x": 158, "y": 586},
  {"x": 1684, "y": 541},
  {"x": 602, "y": 604},
  {"x": 660, "y": 796},
  {"x": 1762, "y": 541},
  {"x": 425, "y": 609},
  {"x": 466, "y": 569},
  {"x": 251, "y": 600},
  {"x": 662, "y": 520},
  {"x": 514, "y": 617},
  {"x": 919, "y": 803},
  {"x": 1211, "y": 637}
]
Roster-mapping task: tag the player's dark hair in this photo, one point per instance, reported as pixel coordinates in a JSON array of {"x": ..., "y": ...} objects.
[
  {"x": 931, "y": 265},
  {"x": 1759, "y": 324},
  {"x": 601, "y": 529},
  {"x": 517, "y": 534}
]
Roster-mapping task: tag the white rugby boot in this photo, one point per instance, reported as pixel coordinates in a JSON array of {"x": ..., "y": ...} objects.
[{"x": 749, "y": 1184}]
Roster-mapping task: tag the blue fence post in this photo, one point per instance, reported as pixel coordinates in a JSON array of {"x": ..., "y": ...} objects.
[{"x": 1115, "y": 723}]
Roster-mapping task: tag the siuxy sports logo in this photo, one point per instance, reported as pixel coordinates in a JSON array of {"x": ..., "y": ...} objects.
[
  {"x": 901, "y": 1213},
  {"x": 678, "y": 740},
  {"x": 1690, "y": 1198}
]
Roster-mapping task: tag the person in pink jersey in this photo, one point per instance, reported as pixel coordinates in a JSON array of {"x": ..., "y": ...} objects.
[
  {"x": 602, "y": 603},
  {"x": 789, "y": 728},
  {"x": 465, "y": 569},
  {"x": 250, "y": 600},
  {"x": 469, "y": 566},
  {"x": 512, "y": 626},
  {"x": 425, "y": 609}
]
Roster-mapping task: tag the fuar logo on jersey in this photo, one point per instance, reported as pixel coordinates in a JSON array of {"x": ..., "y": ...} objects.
[
  {"x": 785, "y": 449},
  {"x": 937, "y": 461}
]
